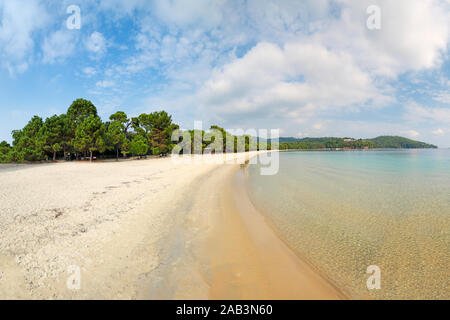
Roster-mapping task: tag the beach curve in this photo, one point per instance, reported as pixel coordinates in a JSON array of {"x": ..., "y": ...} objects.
[{"x": 142, "y": 230}]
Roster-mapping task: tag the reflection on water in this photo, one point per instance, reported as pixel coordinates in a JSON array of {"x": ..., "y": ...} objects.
[{"x": 345, "y": 211}]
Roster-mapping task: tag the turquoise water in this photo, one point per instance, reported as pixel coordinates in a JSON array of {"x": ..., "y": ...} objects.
[{"x": 345, "y": 211}]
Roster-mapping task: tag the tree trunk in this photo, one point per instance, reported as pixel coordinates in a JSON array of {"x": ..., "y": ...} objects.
[
  {"x": 54, "y": 155},
  {"x": 91, "y": 157},
  {"x": 117, "y": 150}
]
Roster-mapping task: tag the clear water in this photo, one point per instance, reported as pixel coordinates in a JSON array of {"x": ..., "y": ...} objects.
[{"x": 345, "y": 211}]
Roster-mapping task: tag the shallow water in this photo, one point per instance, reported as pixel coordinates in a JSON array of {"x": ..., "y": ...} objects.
[{"x": 345, "y": 211}]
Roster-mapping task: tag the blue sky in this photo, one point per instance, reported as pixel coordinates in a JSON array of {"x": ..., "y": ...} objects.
[{"x": 310, "y": 68}]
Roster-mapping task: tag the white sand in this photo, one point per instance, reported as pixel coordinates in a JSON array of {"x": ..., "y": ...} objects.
[
  {"x": 136, "y": 229},
  {"x": 91, "y": 215}
]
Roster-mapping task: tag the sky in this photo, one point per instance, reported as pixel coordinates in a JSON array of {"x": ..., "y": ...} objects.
[{"x": 310, "y": 68}]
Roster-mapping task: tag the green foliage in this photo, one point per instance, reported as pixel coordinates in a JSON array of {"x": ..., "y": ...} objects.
[
  {"x": 29, "y": 142},
  {"x": 79, "y": 110},
  {"x": 65, "y": 134},
  {"x": 51, "y": 133},
  {"x": 5, "y": 152},
  {"x": 115, "y": 136},
  {"x": 122, "y": 118},
  {"x": 119, "y": 116},
  {"x": 229, "y": 141},
  {"x": 197, "y": 144},
  {"x": 249, "y": 143},
  {"x": 56, "y": 147},
  {"x": 89, "y": 135},
  {"x": 81, "y": 130},
  {"x": 216, "y": 139},
  {"x": 400, "y": 142},
  {"x": 125, "y": 147},
  {"x": 170, "y": 147},
  {"x": 157, "y": 128},
  {"x": 348, "y": 143},
  {"x": 139, "y": 146}
]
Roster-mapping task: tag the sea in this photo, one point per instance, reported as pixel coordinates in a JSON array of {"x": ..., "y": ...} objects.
[{"x": 375, "y": 223}]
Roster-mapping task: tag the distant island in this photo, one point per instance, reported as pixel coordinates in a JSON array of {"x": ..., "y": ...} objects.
[{"x": 328, "y": 143}]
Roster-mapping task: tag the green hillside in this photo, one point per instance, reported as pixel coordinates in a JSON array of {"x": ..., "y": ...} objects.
[
  {"x": 400, "y": 143},
  {"x": 383, "y": 142}
]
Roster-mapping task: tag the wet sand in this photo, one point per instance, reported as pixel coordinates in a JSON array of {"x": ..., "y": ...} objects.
[
  {"x": 249, "y": 261},
  {"x": 229, "y": 251}
]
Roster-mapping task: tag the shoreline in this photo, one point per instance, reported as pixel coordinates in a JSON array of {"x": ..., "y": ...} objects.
[
  {"x": 277, "y": 273},
  {"x": 142, "y": 230},
  {"x": 271, "y": 225}
]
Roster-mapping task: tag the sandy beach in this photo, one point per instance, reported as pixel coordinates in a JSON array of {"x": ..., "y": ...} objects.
[{"x": 148, "y": 229}]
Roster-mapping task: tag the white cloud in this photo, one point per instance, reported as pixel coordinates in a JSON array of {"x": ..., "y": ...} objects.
[
  {"x": 205, "y": 33},
  {"x": 96, "y": 43},
  {"x": 58, "y": 46},
  {"x": 318, "y": 126},
  {"x": 418, "y": 113},
  {"x": 284, "y": 63},
  {"x": 310, "y": 59},
  {"x": 89, "y": 71},
  {"x": 443, "y": 97},
  {"x": 105, "y": 84},
  {"x": 183, "y": 13},
  {"x": 299, "y": 80},
  {"x": 277, "y": 20},
  {"x": 413, "y": 133},
  {"x": 438, "y": 132},
  {"x": 413, "y": 36},
  {"x": 123, "y": 7},
  {"x": 20, "y": 20}
]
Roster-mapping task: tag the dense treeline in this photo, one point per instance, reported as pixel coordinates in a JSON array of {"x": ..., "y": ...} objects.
[
  {"x": 384, "y": 142},
  {"x": 81, "y": 133}
]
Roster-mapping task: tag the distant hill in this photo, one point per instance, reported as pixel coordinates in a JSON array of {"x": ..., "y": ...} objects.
[
  {"x": 289, "y": 139},
  {"x": 383, "y": 142},
  {"x": 400, "y": 143}
]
